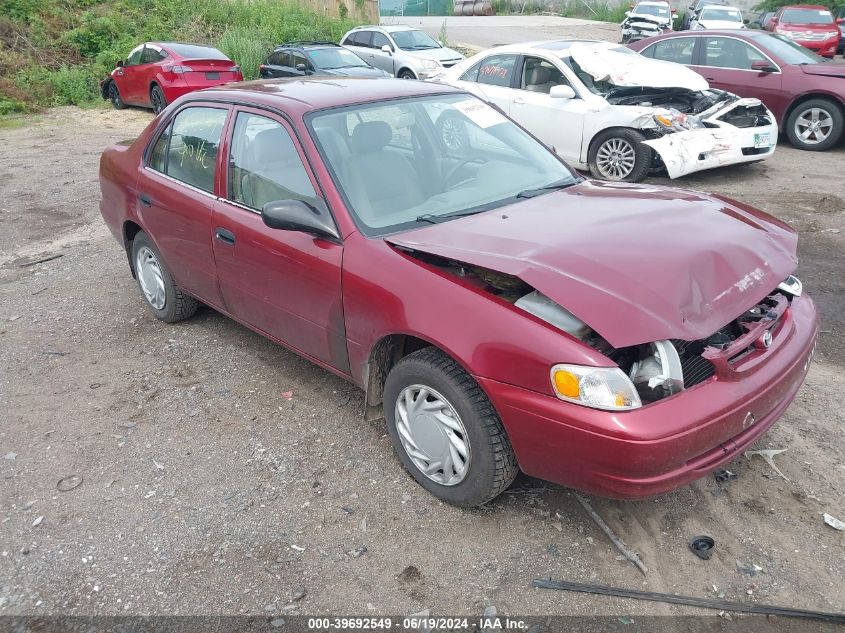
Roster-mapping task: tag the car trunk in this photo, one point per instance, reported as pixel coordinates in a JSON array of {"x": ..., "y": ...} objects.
[{"x": 205, "y": 70}]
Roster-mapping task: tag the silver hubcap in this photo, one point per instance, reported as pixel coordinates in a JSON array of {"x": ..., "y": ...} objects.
[
  {"x": 453, "y": 134},
  {"x": 615, "y": 159},
  {"x": 813, "y": 126},
  {"x": 150, "y": 278},
  {"x": 432, "y": 434}
]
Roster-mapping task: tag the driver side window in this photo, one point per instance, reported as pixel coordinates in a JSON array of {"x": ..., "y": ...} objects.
[
  {"x": 134, "y": 57},
  {"x": 540, "y": 75}
]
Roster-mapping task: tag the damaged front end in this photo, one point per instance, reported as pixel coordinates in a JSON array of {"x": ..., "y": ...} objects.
[
  {"x": 638, "y": 27},
  {"x": 643, "y": 373}
]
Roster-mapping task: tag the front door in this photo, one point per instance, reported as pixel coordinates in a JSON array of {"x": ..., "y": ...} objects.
[
  {"x": 129, "y": 80},
  {"x": 557, "y": 122},
  {"x": 725, "y": 62},
  {"x": 283, "y": 283},
  {"x": 176, "y": 197}
]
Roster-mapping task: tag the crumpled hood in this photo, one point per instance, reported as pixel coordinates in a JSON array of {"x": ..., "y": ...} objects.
[
  {"x": 624, "y": 69},
  {"x": 636, "y": 263},
  {"x": 648, "y": 19},
  {"x": 827, "y": 69}
]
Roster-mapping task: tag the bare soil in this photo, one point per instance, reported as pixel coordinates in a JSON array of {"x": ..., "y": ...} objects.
[{"x": 206, "y": 490}]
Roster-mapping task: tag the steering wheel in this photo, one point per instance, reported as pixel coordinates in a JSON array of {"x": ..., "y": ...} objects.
[{"x": 447, "y": 179}]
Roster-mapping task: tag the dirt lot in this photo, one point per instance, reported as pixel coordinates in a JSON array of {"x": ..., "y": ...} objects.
[{"x": 206, "y": 490}]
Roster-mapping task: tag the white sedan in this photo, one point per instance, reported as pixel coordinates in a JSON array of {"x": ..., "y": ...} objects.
[{"x": 603, "y": 107}]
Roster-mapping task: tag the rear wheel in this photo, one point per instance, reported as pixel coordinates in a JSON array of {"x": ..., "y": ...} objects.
[
  {"x": 164, "y": 298},
  {"x": 114, "y": 97},
  {"x": 157, "y": 99},
  {"x": 815, "y": 125},
  {"x": 620, "y": 155},
  {"x": 445, "y": 431}
]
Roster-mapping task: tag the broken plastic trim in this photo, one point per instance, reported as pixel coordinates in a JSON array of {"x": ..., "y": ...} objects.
[{"x": 791, "y": 286}]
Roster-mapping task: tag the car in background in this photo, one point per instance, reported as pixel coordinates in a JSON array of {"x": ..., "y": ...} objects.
[
  {"x": 811, "y": 26},
  {"x": 402, "y": 51},
  {"x": 618, "y": 114},
  {"x": 717, "y": 17},
  {"x": 695, "y": 7},
  {"x": 156, "y": 73},
  {"x": 646, "y": 19},
  {"x": 497, "y": 308},
  {"x": 763, "y": 18},
  {"x": 300, "y": 59},
  {"x": 804, "y": 91}
]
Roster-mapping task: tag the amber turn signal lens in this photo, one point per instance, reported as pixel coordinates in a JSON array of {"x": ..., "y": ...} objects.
[{"x": 567, "y": 383}]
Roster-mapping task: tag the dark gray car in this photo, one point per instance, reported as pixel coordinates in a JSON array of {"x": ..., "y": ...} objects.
[{"x": 300, "y": 59}]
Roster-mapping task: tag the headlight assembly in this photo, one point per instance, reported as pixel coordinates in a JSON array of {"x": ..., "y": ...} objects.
[
  {"x": 605, "y": 388},
  {"x": 429, "y": 64}
]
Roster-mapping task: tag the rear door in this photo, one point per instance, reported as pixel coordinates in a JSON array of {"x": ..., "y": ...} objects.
[
  {"x": 725, "y": 62},
  {"x": 283, "y": 283},
  {"x": 277, "y": 65},
  {"x": 359, "y": 43},
  {"x": 176, "y": 194},
  {"x": 493, "y": 79}
]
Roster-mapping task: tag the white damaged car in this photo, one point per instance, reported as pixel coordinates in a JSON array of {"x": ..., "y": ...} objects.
[{"x": 604, "y": 107}]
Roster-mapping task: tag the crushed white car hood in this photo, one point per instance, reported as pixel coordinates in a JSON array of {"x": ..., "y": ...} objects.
[{"x": 622, "y": 69}]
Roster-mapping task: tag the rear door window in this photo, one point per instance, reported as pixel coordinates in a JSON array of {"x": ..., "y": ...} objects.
[
  {"x": 360, "y": 38},
  {"x": 192, "y": 146},
  {"x": 496, "y": 70},
  {"x": 676, "y": 49}
]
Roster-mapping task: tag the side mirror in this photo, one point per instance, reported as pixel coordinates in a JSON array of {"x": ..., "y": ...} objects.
[
  {"x": 762, "y": 66},
  {"x": 627, "y": 14},
  {"x": 562, "y": 92},
  {"x": 386, "y": 49},
  {"x": 301, "y": 68},
  {"x": 296, "y": 215},
  {"x": 119, "y": 64},
  {"x": 840, "y": 20},
  {"x": 746, "y": 21}
]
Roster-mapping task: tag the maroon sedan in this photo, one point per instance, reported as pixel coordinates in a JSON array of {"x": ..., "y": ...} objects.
[
  {"x": 500, "y": 312},
  {"x": 805, "y": 92},
  {"x": 156, "y": 73}
]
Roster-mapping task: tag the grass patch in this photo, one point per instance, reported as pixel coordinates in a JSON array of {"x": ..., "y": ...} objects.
[
  {"x": 55, "y": 52},
  {"x": 595, "y": 10}
]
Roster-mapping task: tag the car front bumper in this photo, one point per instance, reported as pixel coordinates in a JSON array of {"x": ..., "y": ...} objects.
[
  {"x": 695, "y": 150},
  {"x": 665, "y": 445},
  {"x": 825, "y": 48}
]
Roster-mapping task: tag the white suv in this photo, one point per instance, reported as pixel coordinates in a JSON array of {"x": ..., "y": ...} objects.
[{"x": 402, "y": 51}]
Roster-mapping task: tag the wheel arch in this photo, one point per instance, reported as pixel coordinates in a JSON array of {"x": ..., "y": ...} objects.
[
  {"x": 130, "y": 230},
  {"x": 403, "y": 69},
  {"x": 384, "y": 354},
  {"x": 807, "y": 97},
  {"x": 105, "y": 86}
]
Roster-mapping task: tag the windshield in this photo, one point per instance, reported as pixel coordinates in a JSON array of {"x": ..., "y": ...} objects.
[
  {"x": 413, "y": 40},
  {"x": 725, "y": 15},
  {"x": 788, "y": 51},
  {"x": 659, "y": 10},
  {"x": 192, "y": 51},
  {"x": 329, "y": 58},
  {"x": 807, "y": 16},
  {"x": 409, "y": 162}
]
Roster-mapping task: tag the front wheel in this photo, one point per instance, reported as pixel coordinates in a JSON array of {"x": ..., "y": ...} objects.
[
  {"x": 157, "y": 99},
  {"x": 620, "y": 155},
  {"x": 406, "y": 74},
  {"x": 163, "y": 297},
  {"x": 815, "y": 125},
  {"x": 445, "y": 431}
]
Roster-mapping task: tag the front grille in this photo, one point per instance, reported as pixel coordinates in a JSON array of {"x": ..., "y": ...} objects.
[
  {"x": 449, "y": 63},
  {"x": 695, "y": 368}
]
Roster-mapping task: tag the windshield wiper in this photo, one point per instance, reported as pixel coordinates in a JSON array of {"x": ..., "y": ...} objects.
[
  {"x": 433, "y": 218},
  {"x": 539, "y": 191}
]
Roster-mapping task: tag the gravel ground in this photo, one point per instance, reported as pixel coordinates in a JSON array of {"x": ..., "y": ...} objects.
[{"x": 207, "y": 488}]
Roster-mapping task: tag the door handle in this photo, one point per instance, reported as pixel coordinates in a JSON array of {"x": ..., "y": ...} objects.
[
  {"x": 144, "y": 199},
  {"x": 518, "y": 100},
  {"x": 710, "y": 78},
  {"x": 227, "y": 237}
]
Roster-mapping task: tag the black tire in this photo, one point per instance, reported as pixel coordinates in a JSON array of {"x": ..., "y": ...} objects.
[
  {"x": 114, "y": 96},
  {"x": 157, "y": 99},
  {"x": 826, "y": 111},
  {"x": 406, "y": 74},
  {"x": 492, "y": 464},
  {"x": 628, "y": 140},
  {"x": 177, "y": 305}
]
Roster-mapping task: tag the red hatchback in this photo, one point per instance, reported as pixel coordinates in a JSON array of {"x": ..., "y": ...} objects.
[
  {"x": 157, "y": 73},
  {"x": 809, "y": 25},
  {"x": 805, "y": 92},
  {"x": 497, "y": 308}
]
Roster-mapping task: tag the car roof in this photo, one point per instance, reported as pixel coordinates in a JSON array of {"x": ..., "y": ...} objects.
[
  {"x": 560, "y": 48},
  {"x": 307, "y": 44},
  {"x": 388, "y": 28},
  {"x": 649, "y": 3},
  {"x": 299, "y": 95},
  {"x": 814, "y": 7}
]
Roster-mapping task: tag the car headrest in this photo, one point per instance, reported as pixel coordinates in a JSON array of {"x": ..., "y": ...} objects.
[
  {"x": 538, "y": 75},
  {"x": 271, "y": 145},
  {"x": 370, "y": 136}
]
